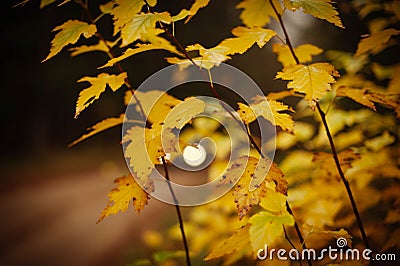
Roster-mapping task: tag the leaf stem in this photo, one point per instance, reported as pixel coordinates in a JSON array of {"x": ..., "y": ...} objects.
[{"x": 178, "y": 212}]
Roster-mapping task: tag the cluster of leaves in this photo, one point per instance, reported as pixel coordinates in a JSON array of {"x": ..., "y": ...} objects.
[{"x": 365, "y": 132}]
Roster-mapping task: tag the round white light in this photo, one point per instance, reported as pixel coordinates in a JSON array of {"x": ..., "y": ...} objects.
[{"x": 194, "y": 156}]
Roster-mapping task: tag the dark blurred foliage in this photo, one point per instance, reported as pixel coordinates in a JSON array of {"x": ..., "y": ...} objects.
[{"x": 38, "y": 99}]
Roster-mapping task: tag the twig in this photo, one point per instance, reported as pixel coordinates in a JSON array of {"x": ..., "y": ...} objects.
[
  {"x": 178, "y": 212},
  {"x": 332, "y": 144},
  {"x": 344, "y": 179}
]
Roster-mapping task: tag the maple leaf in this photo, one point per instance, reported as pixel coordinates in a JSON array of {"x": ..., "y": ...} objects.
[
  {"x": 237, "y": 241},
  {"x": 101, "y": 46},
  {"x": 140, "y": 48},
  {"x": 120, "y": 197},
  {"x": 137, "y": 27},
  {"x": 313, "y": 80},
  {"x": 156, "y": 104},
  {"x": 124, "y": 11},
  {"x": 98, "y": 85},
  {"x": 245, "y": 38},
  {"x": 303, "y": 52},
  {"x": 326, "y": 163},
  {"x": 251, "y": 175},
  {"x": 367, "y": 98},
  {"x": 257, "y": 13},
  {"x": 145, "y": 146},
  {"x": 69, "y": 33},
  {"x": 99, "y": 127},
  {"x": 322, "y": 9},
  {"x": 375, "y": 42},
  {"x": 188, "y": 14},
  {"x": 270, "y": 110},
  {"x": 267, "y": 227},
  {"x": 184, "y": 112}
]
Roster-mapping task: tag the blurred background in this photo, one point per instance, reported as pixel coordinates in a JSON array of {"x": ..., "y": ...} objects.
[{"x": 51, "y": 195}]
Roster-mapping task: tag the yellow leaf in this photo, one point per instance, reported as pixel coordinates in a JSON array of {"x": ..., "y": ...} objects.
[
  {"x": 184, "y": 13},
  {"x": 326, "y": 164},
  {"x": 322, "y": 9},
  {"x": 184, "y": 112},
  {"x": 145, "y": 147},
  {"x": 347, "y": 61},
  {"x": 237, "y": 241},
  {"x": 119, "y": 198},
  {"x": 101, "y": 46},
  {"x": 375, "y": 42},
  {"x": 69, "y": 33},
  {"x": 156, "y": 104},
  {"x": 107, "y": 7},
  {"x": 379, "y": 142},
  {"x": 313, "y": 80},
  {"x": 99, "y": 127},
  {"x": 270, "y": 110},
  {"x": 303, "y": 52},
  {"x": 98, "y": 85},
  {"x": 274, "y": 202},
  {"x": 368, "y": 99},
  {"x": 124, "y": 11},
  {"x": 267, "y": 227},
  {"x": 212, "y": 56},
  {"x": 245, "y": 38},
  {"x": 252, "y": 175},
  {"x": 139, "y": 49},
  {"x": 342, "y": 233},
  {"x": 257, "y": 13},
  {"x": 44, "y": 3},
  {"x": 137, "y": 27}
]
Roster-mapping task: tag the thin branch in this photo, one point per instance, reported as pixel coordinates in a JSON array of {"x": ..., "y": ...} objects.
[
  {"x": 332, "y": 144},
  {"x": 178, "y": 212},
  {"x": 112, "y": 55},
  {"x": 344, "y": 179}
]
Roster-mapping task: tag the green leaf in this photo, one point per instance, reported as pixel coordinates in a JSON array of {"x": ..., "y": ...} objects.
[
  {"x": 69, "y": 33},
  {"x": 267, "y": 227}
]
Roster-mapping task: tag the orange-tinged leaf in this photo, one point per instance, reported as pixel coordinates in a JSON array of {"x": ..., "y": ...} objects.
[
  {"x": 313, "y": 80},
  {"x": 98, "y": 86},
  {"x": 257, "y": 13},
  {"x": 188, "y": 14},
  {"x": 44, "y": 3},
  {"x": 237, "y": 241},
  {"x": 69, "y": 33},
  {"x": 120, "y": 197},
  {"x": 322, "y": 9},
  {"x": 99, "y": 127},
  {"x": 326, "y": 164},
  {"x": 251, "y": 175},
  {"x": 303, "y": 52},
  {"x": 270, "y": 110},
  {"x": 367, "y": 98},
  {"x": 375, "y": 42}
]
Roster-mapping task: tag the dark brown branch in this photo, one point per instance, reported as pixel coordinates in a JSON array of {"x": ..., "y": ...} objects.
[
  {"x": 344, "y": 179},
  {"x": 178, "y": 212},
  {"x": 331, "y": 143}
]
